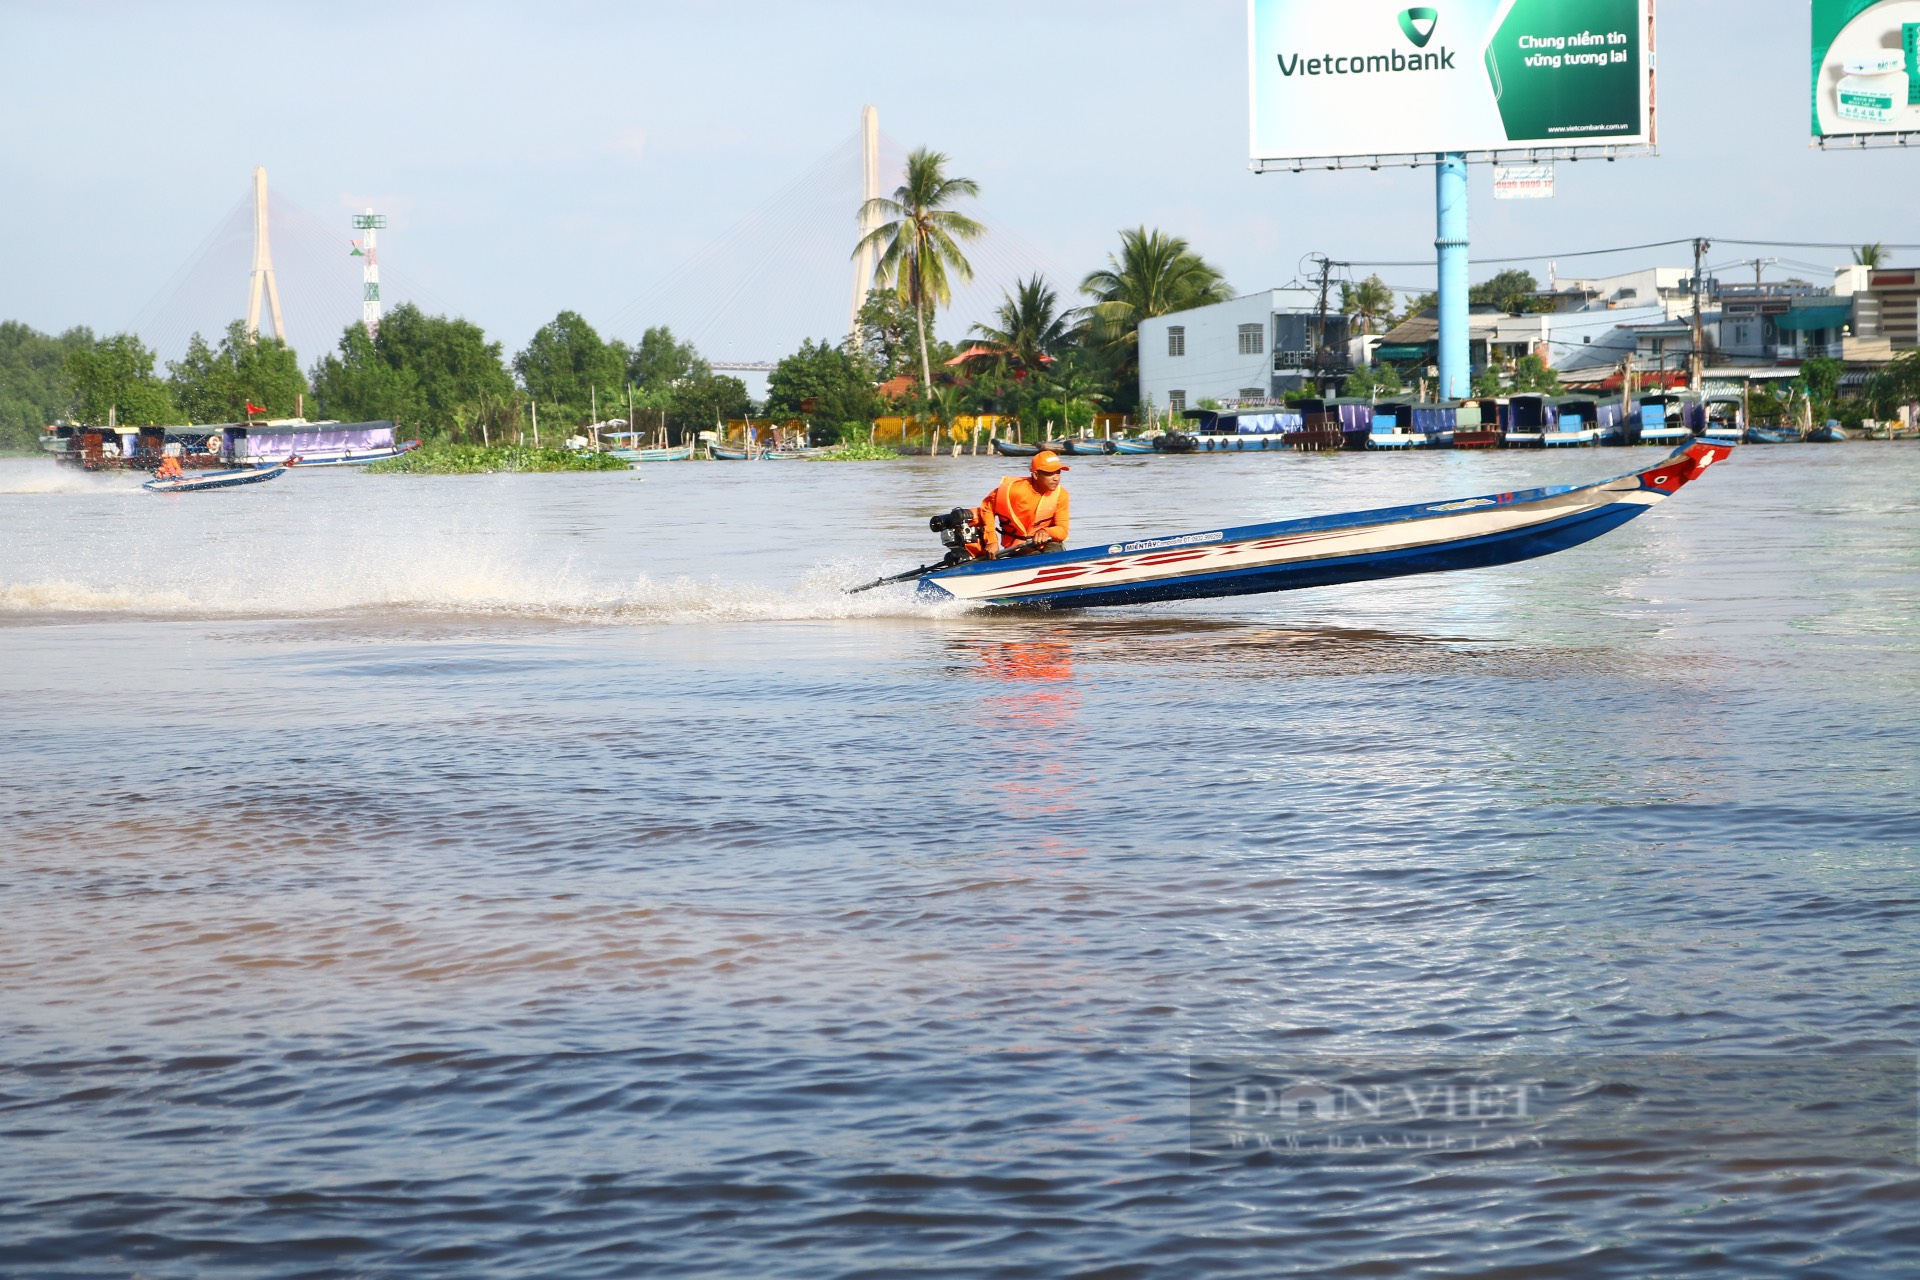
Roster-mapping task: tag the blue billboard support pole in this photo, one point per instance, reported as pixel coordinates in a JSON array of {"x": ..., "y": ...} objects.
[{"x": 1456, "y": 373}]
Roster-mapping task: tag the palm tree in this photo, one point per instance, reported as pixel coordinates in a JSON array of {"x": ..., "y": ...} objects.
[
  {"x": 1868, "y": 255},
  {"x": 1368, "y": 302},
  {"x": 1155, "y": 275},
  {"x": 1032, "y": 330},
  {"x": 1073, "y": 384},
  {"x": 918, "y": 242}
]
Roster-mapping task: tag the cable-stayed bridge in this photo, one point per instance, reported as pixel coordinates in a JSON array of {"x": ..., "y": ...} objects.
[{"x": 784, "y": 273}]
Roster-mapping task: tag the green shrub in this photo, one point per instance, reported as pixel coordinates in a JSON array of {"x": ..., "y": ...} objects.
[
  {"x": 439, "y": 459},
  {"x": 858, "y": 452}
]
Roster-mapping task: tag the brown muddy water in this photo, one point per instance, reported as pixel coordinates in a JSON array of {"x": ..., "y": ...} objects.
[{"x": 558, "y": 876}]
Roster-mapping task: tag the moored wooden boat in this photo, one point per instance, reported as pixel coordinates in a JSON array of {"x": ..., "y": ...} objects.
[
  {"x": 676, "y": 453},
  {"x": 1327, "y": 550},
  {"x": 1133, "y": 446},
  {"x": 1831, "y": 433},
  {"x": 1014, "y": 449},
  {"x": 1476, "y": 423}
]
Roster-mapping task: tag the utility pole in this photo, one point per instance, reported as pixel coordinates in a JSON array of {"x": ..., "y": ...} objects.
[
  {"x": 1320, "y": 330},
  {"x": 1697, "y": 365}
]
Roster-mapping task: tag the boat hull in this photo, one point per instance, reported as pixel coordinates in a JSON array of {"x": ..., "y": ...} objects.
[
  {"x": 347, "y": 457},
  {"x": 1013, "y": 449},
  {"x": 1327, "y": 550},
  {"x": 679, "y": 454},
  {"x": 1133, "y": 446},
  {"x": 208, "y": 480}
]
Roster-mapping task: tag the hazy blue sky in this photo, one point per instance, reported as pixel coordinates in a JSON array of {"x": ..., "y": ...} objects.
[{"x": 566, "y": 155}]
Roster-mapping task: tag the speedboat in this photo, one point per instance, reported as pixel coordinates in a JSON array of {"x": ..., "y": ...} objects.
[
  {"x": 1318, "y": 551},
  {"x": 196, "y": 481}
]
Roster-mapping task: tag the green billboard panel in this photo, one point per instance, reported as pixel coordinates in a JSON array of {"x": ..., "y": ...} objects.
[
  {"x": 1866, "y": 67},
  {"x": 1376, "y": 78}
]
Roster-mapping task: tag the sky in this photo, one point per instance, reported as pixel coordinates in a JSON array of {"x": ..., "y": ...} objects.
[{"x": 539, "y": 157}]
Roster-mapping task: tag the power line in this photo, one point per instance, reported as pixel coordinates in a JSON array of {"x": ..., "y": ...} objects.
[{"x": 1540, "y": 257}]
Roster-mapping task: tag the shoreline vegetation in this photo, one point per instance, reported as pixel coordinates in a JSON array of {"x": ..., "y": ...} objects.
[
  {"x": 445, "y": 459},
  {"x": 858, "y": 452}
]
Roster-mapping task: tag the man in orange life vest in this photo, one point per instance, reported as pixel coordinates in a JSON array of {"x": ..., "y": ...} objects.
[{"x": 1024, "y": 517}]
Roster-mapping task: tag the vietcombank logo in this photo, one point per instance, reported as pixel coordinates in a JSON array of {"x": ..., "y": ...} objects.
[{"x": 1418, "y": 25}]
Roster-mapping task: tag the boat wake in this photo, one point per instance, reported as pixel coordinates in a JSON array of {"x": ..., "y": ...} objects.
[
  {"x": 400, "y": 592},
  {"x": 35, "y": 475}
]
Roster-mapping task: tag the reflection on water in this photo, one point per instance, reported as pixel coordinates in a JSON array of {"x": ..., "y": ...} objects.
[{"x": 495, "y": 878}]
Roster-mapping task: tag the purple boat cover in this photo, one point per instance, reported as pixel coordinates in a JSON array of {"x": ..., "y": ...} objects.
[{"x": 358, "y": 437}]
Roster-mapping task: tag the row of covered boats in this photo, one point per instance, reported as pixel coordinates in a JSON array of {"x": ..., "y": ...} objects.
[{"x": 1503, "y": 422}]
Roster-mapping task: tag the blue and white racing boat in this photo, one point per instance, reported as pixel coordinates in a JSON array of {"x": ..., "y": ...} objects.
[
  {"x": 195, "y": 481},
  {"x": 1324, "y": 551}
]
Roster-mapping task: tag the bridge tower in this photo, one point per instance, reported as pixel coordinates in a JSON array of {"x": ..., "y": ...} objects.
[
  {"x": 262, "y": 281},
  {"x": 369, "y": 251},
  {"x": 869, "y": 188}
]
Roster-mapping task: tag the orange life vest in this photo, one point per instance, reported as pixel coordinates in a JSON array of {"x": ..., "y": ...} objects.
[{"x": 1001, "y": 514}]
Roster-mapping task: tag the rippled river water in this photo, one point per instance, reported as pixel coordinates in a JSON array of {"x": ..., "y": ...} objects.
[{"x": 557, "y": 876}]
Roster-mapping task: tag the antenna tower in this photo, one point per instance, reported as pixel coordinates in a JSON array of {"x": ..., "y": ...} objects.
[
  {"x": 869, "y": 189},
  {"x": 369, "y": 250},
  {"x": 262, "y": 278}
]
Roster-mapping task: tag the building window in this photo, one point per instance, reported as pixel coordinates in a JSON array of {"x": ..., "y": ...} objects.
[
  {"x": 1176, "y": 340},
  {"x": 1176, "y": 402},
  {"x": 1252, "y": 339}
]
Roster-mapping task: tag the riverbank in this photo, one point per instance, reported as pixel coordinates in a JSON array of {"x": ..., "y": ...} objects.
[{"x": 473, "y": 459}]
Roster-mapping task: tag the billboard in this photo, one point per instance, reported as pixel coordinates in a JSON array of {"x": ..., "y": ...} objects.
[
  {"x": 1364, "y": 78},
  {"x": 1866, "y": 67}
]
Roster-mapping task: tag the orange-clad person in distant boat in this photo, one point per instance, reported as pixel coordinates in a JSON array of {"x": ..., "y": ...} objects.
[
  {"x": 1026, "y": 516},
  {"x": 169, "y": 469}
]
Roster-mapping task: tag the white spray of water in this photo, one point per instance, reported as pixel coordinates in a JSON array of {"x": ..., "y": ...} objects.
[
  {"x": 426, "y": 587},
  {"x": 34, "y": 475}
]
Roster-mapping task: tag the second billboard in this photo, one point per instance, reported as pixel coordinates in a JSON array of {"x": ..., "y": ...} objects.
[{"x": 1376, "y": 78}]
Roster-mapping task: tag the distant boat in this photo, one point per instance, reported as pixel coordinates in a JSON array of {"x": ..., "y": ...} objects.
[
  {"x": 1133, "y": 446},
  {"x": 678, "y": 453},
  {"x": 1014, "y": 449},
  {"x": 1476, "y": 423},
  {"x": 197, "y": 481},
  {"x": 722, "y": 453},
  {"x": 1572, "y": 421},
  {"x": 1831, "y": 433},
  {"x": 1770, "y": 435}
]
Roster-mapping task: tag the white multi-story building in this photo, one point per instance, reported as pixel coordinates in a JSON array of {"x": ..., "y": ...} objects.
[{"x": 1251, "y": 348}]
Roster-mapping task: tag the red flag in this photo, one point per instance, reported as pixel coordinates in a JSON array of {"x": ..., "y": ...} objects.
[{"x": 254, "y": 408}]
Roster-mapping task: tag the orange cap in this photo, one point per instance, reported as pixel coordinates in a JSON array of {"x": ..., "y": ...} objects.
[{"x": 1048, "y": 460}]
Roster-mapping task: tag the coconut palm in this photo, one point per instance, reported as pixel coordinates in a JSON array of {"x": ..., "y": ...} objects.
[
  {"x": 1868, "y": 255},
  {"x": 1073, "y": 384},
  {"x": 1031, "y": 330},
  {"x": 1155, "y": 275},
  {"x": 1370, "y": 302},
  {"x": 919, "y": 241}
]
